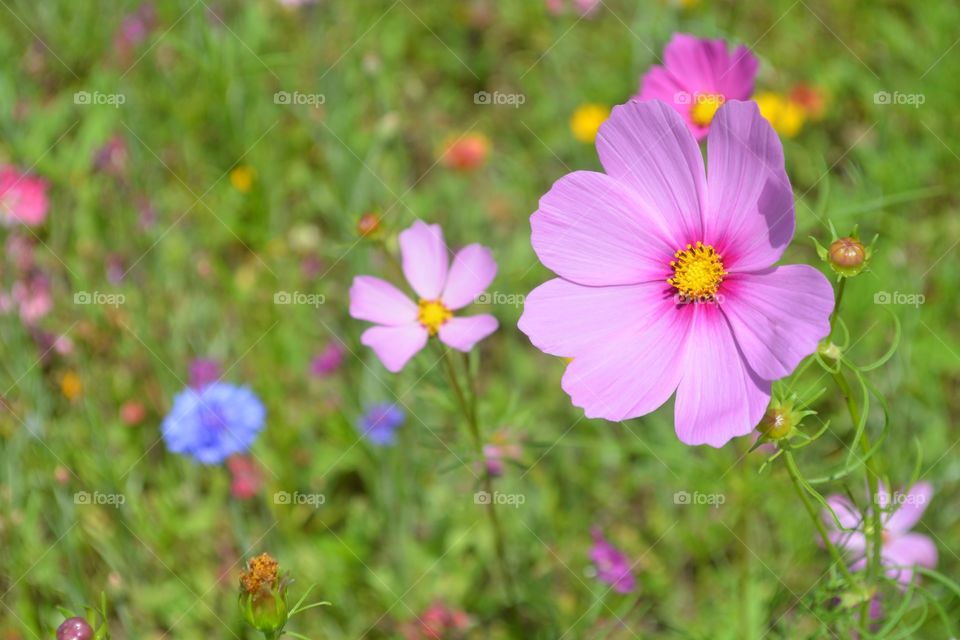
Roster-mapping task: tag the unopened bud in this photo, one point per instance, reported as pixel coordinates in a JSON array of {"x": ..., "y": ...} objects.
[
  {"x": 847, "y": 254},
  {"x": 263, "y": 595},
  {"x": 75, "y": 628},
  {"x": 368, "y": 224}
]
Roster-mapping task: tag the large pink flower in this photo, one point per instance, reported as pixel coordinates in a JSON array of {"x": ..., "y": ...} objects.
[
  {"x": 698, "y": 76},
  {"x": 666, "y": 274},
  {"x": 23, "y": 197},
  {"x": 902, "y": 550},
  {"x": 404, "y": 326}
]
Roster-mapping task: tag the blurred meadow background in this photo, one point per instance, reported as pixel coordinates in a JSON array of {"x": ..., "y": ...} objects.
[{"x": 207, "y": 158}]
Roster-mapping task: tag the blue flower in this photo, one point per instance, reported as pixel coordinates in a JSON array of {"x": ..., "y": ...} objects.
[
  {"x": 379, "y": 423},
  {"x": 213, "y": 423}
]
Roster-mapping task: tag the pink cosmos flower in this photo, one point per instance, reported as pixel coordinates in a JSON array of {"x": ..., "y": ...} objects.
[
  {"x": 698, "y": 76},
  {"x": 23, "y": 198},
  {"x": 403, "y": 326},
  {"x": 902, "y": 550},
  {"x": 666, "y": 274},
  {"x": 612, "y": 566}
]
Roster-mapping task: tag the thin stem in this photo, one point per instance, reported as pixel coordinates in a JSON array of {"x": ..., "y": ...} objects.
[
  {"x": 817, "y": 522},
  {"x": 470, "y": 413},
  {"x": 836, "y": 305}
]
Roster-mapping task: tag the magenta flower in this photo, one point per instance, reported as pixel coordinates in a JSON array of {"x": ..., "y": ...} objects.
[
  {"x": 666, "y": 275},
  {"x": 902, "y": 550},
  {"x": 327, "y": 361},
  {"x": 23, "y": 198},
  {"x": 612, "y": 566},
  {"x": 697, "y": 76},
  {"x": 403, "y": 326}
]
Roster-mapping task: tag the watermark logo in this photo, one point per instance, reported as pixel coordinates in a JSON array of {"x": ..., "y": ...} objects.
[
  {"x": 296, "y": 498},
  {"x": 898, "y": 498},
  {"x": 297, "y": 98},
  {"x": 897, "y": 98},
  {"x": 96, "y": 98},
  {"x": 499, "y": 99},
  {"x": 298, "y": 297},
  {"x": 112, "y": 499},
  {"x": 697, "y": 498},
  {"x": 685, "y": 97},
  {"x": 496, "y": 297},
  {"x": 681, "y": 299},
  {"x": 512, "y": 499},
  {"x": 899, "y": 297},
  {"x": 98, "y": 297}
]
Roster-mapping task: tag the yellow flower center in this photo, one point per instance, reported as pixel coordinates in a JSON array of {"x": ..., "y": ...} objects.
[
  {"x": 432, "y": 315},
  {"x": 705, "y": 106},
  {"x": 697, "y": 272}
]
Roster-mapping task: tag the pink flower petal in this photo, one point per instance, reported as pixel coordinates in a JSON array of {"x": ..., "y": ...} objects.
[
  {"x": 472, "y": 272},
  {"x": 719, "y": 397},
  {"x": 749, "y": 213},
  {"x": 424, "y": 258},
  {"x": 708, "y": 67},
  {"x": 647, "y": 146},
  {"x": 566, "y": 319},
  {"x": 376, "y": 300},
  {"x": 395, "y": 345},
  {"x": 911, "y": 508},
  {"x": 625, "y": 364},
  {"x": 593, "y": 230},
  {"x": 464, "y": 332},
  {"x": 778, "y": 316},
  {"x": 905, "y": 551},
  {"x": 846, "y": 511}
]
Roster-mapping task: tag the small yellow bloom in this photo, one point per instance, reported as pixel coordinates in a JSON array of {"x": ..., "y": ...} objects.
[
  {"x": 786, "y": 116},
  {"x": 71, "y": 386},
  {"x": 242, "y": 178},
  {"x": 586, "y": 120}
]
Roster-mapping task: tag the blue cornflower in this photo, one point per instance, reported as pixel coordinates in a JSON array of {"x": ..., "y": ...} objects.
[
  {"x": 213, "y": 423},
  {"x": 380, "y": 422}
]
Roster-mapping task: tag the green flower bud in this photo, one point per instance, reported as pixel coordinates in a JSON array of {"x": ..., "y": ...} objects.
[
  {"x": 847, "y": 254},
  {"x": 780, "y": 421}
]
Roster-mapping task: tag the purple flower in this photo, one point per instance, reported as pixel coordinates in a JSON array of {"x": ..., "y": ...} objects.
[
  {"x": 612, "y": 566},
  {"x": 213, "y": 423},
  {"x": 203, "y": 371},
  {"x": 402, "y": 326},
  {"x": 697, "y": 77},
  {"x": 380, "y": 422},
  {"x": 667, "y": 278},
  {"x": 901, "y": 550},
  {"x": 327, "y": 361}
]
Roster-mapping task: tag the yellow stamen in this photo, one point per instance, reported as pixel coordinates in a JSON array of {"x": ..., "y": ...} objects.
[
  {"x": 697, "y": 272},
  {"x": 432, "y": 315},
  {"x": 705, "y": 106}
]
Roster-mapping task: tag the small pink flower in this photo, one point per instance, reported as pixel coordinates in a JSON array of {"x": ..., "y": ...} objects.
[
  {"x": 403, "y": 326},
  {"x": 246, "y": 477},
  {"x": 902, "y": 550},
  {"x": 327, "y": 361},
  {"x": 611, "y": 564},
  {"x": 698, "y": 76},
  {"x": 23, "y": 198},
  {"x": 33, "y": 297},
  {"x": 667, "y": 278}
]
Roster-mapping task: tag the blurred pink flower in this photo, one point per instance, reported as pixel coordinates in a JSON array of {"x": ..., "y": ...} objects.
[
  {"x": 667, "y": 278},
  {"x": 246, "y": 477},
  {"x": 698, "y": 76},
  {"x": 23, "y": 198},
  {"x": 134, "y": 29},
  {"x": 403, "y": 326},
  {"x": 437, "y": 622},
  {"x": 132, "y": 413},
  {"x": 112, "y": 157},
  {"x": 612, "y": 566},
  {"x": 902, "y": 550},
  {"x": 33, "y": 297},
  {"x": 203, "y": 371},
  {"x": 584, "y": 8},
  {"x": 501, "y": 448},
  {"x": 327, "y": 361}
]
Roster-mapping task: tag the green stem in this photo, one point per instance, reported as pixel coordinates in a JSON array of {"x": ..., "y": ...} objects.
[
  {"x": 817, "y": 521},
  {"x": 836, "y": 305},
  {"x": 470, "y": 413}
]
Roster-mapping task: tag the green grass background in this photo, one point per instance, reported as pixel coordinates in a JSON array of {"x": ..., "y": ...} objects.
[{"x": 399, "y": 528}]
